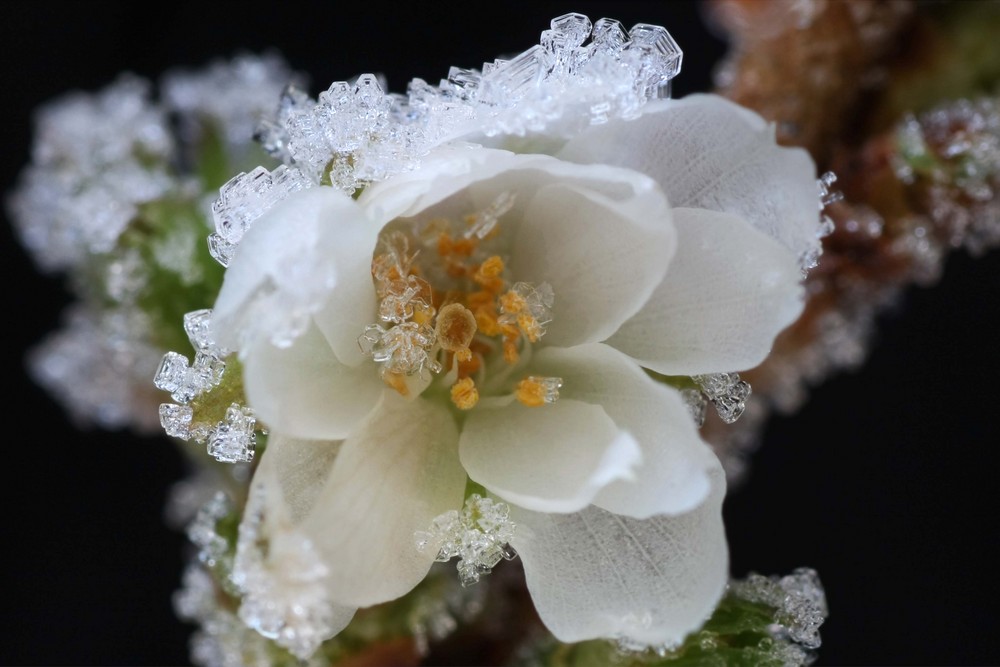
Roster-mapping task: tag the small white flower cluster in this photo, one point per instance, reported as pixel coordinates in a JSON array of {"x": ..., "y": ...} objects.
[{"x": 100, "y": 163}]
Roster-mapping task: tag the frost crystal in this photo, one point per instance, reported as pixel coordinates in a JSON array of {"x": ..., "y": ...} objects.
[
  {"x": 356, "y": 133},
  {"x": 243, "y": 199},
  {"x": 478, "y": 536},
  {"x": 281, "y": 580},
  {"x": 231, "y": 440},
  {"x": 202, "y": 531},
  {"x": 798, "y": 598},
  {"x": 727, "y": 392},
  {"x": 234, "y": 439}
]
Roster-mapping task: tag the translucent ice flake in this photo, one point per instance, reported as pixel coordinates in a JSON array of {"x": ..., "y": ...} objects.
[
  {"x": 280, "y": 576},
  {"x": 798, "y": 598},
  {"x": 727, "y": 392},
  {"x": 243, "y": 199},
  {"x": 233, "y": 440},
  {"x": 356, "y": 134},
  {"x": 478, "y": 536}
]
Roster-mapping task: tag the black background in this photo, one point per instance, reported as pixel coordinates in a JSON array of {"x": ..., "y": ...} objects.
[{"x": 885, "y": 481}]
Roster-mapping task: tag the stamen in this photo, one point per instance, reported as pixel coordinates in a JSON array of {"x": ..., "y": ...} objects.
[
  {"x": 528, "y": 307},
  {"x": 405, "y": 299},
  {"x": 464, "y": 394},
  {"x": 456, "y": 325},
  {"x": 534, "y": 391}
]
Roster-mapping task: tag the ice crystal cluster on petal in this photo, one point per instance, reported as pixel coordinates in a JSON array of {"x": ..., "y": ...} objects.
[
  {"x": 281, "y": 583},
  {"x": 478, "y": 536},
  {"x": 579, "y": 74},
  {"x": 243, "y": 199}
]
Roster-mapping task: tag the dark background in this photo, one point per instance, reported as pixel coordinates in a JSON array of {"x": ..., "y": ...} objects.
[{"x": 884, "y": 481}]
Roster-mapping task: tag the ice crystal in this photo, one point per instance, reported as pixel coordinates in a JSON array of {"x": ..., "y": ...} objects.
[
  {"x": 202, "y": 531},
  {"x": 234, "y": 438},
  {"x": 727, "y": 392},
  {"x": 281, "y": 580},
  {"x": 356, "y": 133},
  {"x": 798, "y": 598},
  {"x": 478, "y": 536},
  {"x": 243, "y": 199}
]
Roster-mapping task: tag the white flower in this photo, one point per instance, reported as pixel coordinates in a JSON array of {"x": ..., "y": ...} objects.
[{"x": 669, "y": 243}]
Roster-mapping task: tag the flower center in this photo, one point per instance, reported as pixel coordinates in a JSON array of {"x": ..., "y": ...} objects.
[{"x": 447, "y": 309}]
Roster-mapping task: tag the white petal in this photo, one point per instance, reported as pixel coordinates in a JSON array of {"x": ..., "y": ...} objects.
[
  {"x": 707, "y": 152},
  {"x": 601, "y": 259},
  {"x": 553, "y": 458},
  {"x": 304, "y": 391},
  {"x": 309, "y": 253},
  {"x": 574, "y": 226},
  {"x": 390, "y": 479},
  {"x": 596, "y": 574},
  {"x": 284, "y": 579},
  {"x": 674, "y": 475},
  {"x": 298, "y": 468},
  {"x": 728, "y": 292}
]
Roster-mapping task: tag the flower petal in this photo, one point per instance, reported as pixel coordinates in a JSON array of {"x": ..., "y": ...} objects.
[
  {"x": 707, "y": 152},
  {"x": 596, "y": 574},
  {"x": 297, "y": 469},
  {"x": 674, "y": 475},
  {"x": 573, "y": 226},
  {"x": 728, "y": 292},
  {"x": 280, "y": 583},
  {"x": 304, "y": 391},
  {"x": 553, "y": 458},
  {"x": 390, "y": 479},
  {"x": 601, "y": 259},
  {"x": 308, "y": 255}
]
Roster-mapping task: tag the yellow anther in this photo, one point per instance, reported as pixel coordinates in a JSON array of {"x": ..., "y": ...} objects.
[
  {"x": 397, "y": 382},
  {"x": 510, "y": 353},
  {"x": 486, "y": 320},
  {"x": 534, "y": 391},
  {"x": 512, "y": 303},
  {"x": 464, "y": 394},
  {"x": 529, "y": 325},
  {"x": 456, "y": 325},
  {"x": 492, "y": 267},
  {"x": 488, "y": 275}
]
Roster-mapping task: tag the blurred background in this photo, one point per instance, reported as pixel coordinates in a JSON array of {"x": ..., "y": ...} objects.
[{"x": 883, "y": 481}]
